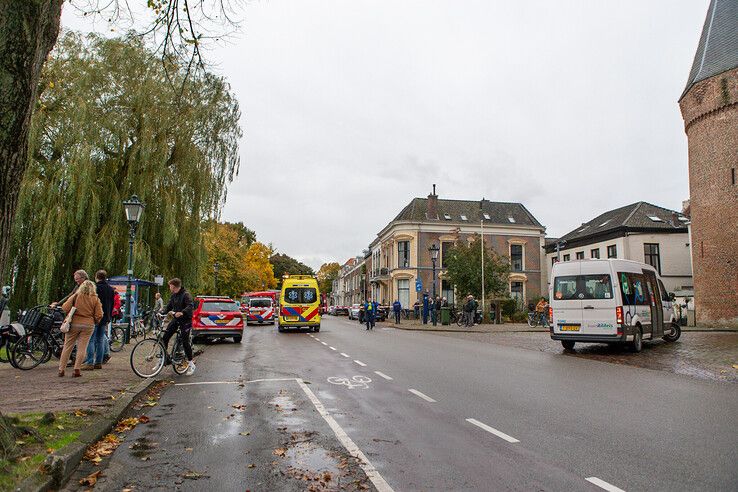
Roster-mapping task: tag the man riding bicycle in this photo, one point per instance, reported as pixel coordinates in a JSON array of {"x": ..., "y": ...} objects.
[{"x": 182, "y": 306}]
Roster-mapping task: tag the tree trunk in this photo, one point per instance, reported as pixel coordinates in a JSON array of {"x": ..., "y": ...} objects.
[{"x": 28, "y": 31}]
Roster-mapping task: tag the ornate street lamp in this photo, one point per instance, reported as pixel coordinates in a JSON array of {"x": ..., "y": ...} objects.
[
  {"x": 216, "y": 269},
  {"x": 133, "y": 208},
  {"x": 434, "y": 250}
]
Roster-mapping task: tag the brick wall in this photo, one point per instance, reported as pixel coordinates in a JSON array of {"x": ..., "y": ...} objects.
[{"x": 710, "y": 112}]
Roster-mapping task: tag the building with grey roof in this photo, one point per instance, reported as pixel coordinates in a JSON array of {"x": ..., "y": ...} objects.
[{"x": 640, "y": 231}]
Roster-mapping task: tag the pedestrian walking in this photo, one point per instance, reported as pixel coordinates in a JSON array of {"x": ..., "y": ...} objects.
[
  {"x": 474, "y": 312},
  {"x": 426, "y": 307},
  {"x": 99, "y": 345},
  {"x": 370, "y": 311},
  {"x": 416, "y": 309},
  {"x": 397, "y": 309},
  {"x": 158, "y": 303},
  {"x": 88, "y": 313}
]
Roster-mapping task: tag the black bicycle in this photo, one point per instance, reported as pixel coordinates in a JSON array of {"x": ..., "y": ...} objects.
[
  {"x": 148, "y": 356},
  {"x": 42, "y": 338}
]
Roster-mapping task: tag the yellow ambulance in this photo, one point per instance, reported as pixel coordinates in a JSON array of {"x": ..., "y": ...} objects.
[{"x": 299, "y": 303}]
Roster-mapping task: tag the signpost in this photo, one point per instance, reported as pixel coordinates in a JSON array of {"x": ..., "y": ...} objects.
[{"x": 418, "y": 285}]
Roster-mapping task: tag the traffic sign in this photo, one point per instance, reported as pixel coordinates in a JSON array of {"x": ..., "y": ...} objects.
[{"x": 418, "y": 285}]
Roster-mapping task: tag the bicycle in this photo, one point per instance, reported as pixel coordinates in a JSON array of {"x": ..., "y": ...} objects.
[
  {"x": 537, "y": 319},
  {"x": 42, "y": 338},
  {"x": 148, "y": 356}
]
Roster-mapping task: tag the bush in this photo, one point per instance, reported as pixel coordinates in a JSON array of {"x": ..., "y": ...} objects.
[
  {"x": 508, "y": 306},
  {"x": 520, "y": 317}
]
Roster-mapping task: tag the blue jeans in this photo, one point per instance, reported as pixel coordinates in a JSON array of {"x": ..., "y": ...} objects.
[{"x": 98, "y": 346}]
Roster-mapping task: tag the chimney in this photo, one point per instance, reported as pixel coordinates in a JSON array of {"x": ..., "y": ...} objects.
[{"x": 433, "y": 205}]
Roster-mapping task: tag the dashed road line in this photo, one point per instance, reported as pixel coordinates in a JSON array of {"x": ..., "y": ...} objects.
[
  {"x": 324, "y": 343},
  {"x": 332, "y": 348},
  {"x": 421, "y": 395},
  {"x": 345, "y": 355},
  {"x": 360, "y": 363},
  {"x": 378, "y": 373},
  {"x": 604, "y": 485},
  {"x": 492, "y": 430}
]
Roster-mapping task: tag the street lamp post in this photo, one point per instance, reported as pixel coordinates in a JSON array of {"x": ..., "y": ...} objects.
[
  {"x": 216, "y": 269},
  {"x": 434, "y": 250},
  {"x": 133, "y": 208}
]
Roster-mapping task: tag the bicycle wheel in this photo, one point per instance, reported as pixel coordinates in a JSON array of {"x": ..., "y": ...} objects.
[
  {"x": 179, "y": 360},
  {"x": 147, "y": 358},
  {"x": 117, "y": 336},
  {"x": 532, "y": 321},
  {"x": 460, "y": 320},
  {"x": 30, "y": 351}
]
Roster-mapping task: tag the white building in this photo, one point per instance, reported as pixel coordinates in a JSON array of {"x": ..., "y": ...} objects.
[{"x": 640, "y": 232}]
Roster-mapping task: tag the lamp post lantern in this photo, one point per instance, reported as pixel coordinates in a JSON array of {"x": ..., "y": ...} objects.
[
  {"x": 434, "y": 250},
  {"x": 216, "y": 269},
  {"x": 133, "y": 208}
]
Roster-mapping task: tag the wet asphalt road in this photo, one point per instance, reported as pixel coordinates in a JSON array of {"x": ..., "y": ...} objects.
[{"x": 480, "y": 417}]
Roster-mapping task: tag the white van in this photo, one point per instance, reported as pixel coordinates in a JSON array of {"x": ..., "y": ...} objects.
[{"x": 609, "y": 301}]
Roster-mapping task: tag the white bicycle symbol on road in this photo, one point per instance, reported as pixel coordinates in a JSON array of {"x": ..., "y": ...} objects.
[{"x": 355, "y": 382}]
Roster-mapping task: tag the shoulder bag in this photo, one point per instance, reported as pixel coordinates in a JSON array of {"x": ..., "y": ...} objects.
[{"x": 67, "y": 324}]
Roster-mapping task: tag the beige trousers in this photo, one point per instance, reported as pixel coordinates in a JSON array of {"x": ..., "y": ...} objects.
[{"x": 79, "y": 334}]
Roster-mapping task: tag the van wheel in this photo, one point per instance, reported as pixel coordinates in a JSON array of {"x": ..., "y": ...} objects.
[
  {"x": 676, "y": 332},
  {"x": 316, "y": 329},
  {"x": 637, "y": 344},
  {"x": 568, "y": 344},
  {"x": 280, "y": 329},
  {"x": 237, "y": 339}
]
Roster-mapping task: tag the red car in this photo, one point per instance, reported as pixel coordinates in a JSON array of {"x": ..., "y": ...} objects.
[
  {"x": 217, "y": 317},
  {"x": 259, "y": 310}
]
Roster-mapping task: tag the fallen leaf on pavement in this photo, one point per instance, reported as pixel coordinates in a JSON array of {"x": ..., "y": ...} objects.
[
  {"x": 143, "y": 419},
  {"x": 252, "y": 465},
  {"x": 244, "y": 433},
  {"x": 239, "y": 407},
  {"x": 127, "y": 424},
  {"x": 193, "y": 475},
  {"x": 80, "y": 413},
  {"x": 188, "y": 449},
  {"x": 91, "y": 479},
  {"x": 279, "y": 452},
  {"x": 735, "y": 366}
]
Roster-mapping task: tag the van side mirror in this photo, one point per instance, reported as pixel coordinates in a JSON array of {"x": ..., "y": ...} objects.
[{"x": 672, "y": 296}]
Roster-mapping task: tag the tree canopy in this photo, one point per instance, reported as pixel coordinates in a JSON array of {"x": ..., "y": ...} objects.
[
  {"x": 284, "y": 264},
  {"x": 326, "y": 275},
  {"x": 109, "y": 124},
  {"x": 464, "y": 269}
]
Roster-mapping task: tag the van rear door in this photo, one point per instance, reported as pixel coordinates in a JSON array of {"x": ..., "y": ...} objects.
[
  {"x": 567, "y": 307},
  {"x": 598, "y": 299}
]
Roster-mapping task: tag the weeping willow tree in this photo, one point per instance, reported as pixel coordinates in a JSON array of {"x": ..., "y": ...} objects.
[{"x": 113, "y": 120}]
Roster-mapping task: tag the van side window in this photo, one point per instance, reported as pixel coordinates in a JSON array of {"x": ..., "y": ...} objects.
[
  {"x": 664, "y": 295},
  {"x": 633, "y": 289}
]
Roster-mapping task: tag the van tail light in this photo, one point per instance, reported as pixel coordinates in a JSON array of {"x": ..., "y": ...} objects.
[
  {"x": 619, "y": 314},
  {"x": 550, "y": 315}
]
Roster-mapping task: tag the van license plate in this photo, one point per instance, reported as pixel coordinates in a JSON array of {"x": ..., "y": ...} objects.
[
  {"x": 291, "y": 318},
  {"x": 569, "y": 327}
]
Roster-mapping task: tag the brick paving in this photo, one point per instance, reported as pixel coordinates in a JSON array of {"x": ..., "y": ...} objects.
[{"x": 704, "y": 355}]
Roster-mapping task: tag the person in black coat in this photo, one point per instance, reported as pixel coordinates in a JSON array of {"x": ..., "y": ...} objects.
[{"x": 98, "y": 350}]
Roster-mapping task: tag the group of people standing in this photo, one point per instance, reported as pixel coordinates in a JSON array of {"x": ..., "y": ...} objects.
[{"x": 95, "y": 305}]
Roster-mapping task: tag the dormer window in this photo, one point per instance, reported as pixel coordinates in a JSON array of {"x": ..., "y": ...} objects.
[
  {"x": 447, "y": 216},
  {"x": 463, "y": 217},
  {"x": 654, "y": 218},
  {"x": 511, "y": 220}
]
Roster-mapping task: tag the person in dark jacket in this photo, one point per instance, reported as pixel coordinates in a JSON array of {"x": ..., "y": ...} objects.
[
  {"x": 370, "y": 313},
  {"x": 96, "y": 349},
  {"x": 436, "y": 313},
  {"x": 181, "y": 305},
  {"x": 469, "y": 310},
  {"x": 426, "y": 307},
  {"x": 416, "y": 309},
  {"x": 397, "y": 309}
]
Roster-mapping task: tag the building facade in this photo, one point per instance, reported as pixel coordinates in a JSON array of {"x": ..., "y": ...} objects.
[
  {"x": 709, "y": 106},
  {"x": 640, "y": 232},
  {"x": 399, "y": 255}
]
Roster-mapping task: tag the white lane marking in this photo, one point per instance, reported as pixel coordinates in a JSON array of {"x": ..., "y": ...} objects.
[
  {"x": 318, "y": 339},
  {"x": 345, "y": 355},
  {"x": 421, "y": 395},
  {"x": 360, "y": 363},
  {"x": 351, "y": 447},
  {"x": 604, "y": 485},
  {"x": 332, "y": 348},
  {"x": 492, "y": 430},
  {"x": 234, "y": 382},
  {"x": 383, "y": 375},
  {"x": 324, "y": 343}
]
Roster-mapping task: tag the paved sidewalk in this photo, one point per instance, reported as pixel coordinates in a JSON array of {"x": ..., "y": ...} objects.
[{"x": 41, "y": 390}]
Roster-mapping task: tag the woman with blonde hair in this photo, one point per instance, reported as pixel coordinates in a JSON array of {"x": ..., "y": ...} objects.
[{"x": 88, "y": 313}]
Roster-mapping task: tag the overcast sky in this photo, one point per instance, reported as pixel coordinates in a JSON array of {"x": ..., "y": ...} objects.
[{"x": 352, "y": 108}]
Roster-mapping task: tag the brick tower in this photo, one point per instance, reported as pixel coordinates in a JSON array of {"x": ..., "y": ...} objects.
[{"x": 709, "y": 107}]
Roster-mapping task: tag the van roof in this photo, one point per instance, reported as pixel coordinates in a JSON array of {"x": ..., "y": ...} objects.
[{"x": 621, "y": 261}]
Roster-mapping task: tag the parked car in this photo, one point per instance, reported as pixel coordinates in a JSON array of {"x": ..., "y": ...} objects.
[
  {"x": 609, "y": 301},
  {"x": 217, "y": 317},
  {"x": 332, "y": 310},
  {"x": 260, "y": 310},
  {"x": 342, "y": 311},
  {"x": 353, "y": 311}
]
